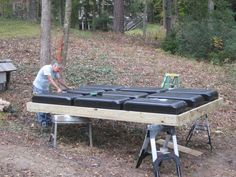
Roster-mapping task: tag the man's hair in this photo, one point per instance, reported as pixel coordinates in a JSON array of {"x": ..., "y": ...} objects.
[{"x": 54, "y": 63}]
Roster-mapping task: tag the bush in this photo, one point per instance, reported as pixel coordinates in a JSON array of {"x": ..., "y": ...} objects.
[
  {"x": 171, "y": 43},
  {"x": 211, "y": 37},
  {"x": 102, "y": 22}
]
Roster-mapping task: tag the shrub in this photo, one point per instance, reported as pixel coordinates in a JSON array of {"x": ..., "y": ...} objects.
[
  {"x": 211, "y": 37},
  {"x": 102, "y": 22},
  {"x": 171, "y": 43}
]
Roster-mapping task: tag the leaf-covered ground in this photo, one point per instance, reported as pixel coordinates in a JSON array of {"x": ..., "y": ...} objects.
[{"x": 111, "y": 59}]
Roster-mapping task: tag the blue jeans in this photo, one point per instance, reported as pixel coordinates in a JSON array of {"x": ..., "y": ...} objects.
[{"x": 43, "y": 118}]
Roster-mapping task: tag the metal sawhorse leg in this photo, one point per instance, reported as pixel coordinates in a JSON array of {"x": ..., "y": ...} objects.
[
  {"x": 66, "y": 119},
  {"x": 200, "y": 124},
  {"x": 163, "y": 154}
]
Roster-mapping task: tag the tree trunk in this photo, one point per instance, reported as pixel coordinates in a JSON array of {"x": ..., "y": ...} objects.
[
  {"x": 210, "y": 5},
  {"x": 145, "y": 20},
  {"x": 61, "y": 12},
  {"x": 94, "y": 15},
  {"x": 164, "y": 13},
  {"x": 176, "y": 12},
  {"x": 66, "y": 30},
  {"x": 102, "y": 6},
  {"x": 118, "y": 22},
  {"x": 168, "y": 16},
  {"x": 32, "y": 10},
  {"x": 45, "y": 51},
  {"x": 210, "y": 9}
]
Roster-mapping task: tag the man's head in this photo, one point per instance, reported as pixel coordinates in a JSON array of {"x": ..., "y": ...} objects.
[{"x": 55, "y": 66}]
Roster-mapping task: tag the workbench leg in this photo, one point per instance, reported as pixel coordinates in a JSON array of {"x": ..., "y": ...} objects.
[
  {"x": 176, "y": 151},
  {"x": 143, "y": 152},
  {"x": 165, "y": 144},
  {"x": 90, "y": 135},
  {"x": 190, "y": 134},
  {"x": 55, "y": 135}
]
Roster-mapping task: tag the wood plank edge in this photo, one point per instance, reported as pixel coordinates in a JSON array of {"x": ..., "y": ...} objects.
[{"x": 181, "y": 148}]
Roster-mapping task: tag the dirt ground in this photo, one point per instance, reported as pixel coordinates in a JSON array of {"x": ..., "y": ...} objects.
[{"x": 107, "y": 58}]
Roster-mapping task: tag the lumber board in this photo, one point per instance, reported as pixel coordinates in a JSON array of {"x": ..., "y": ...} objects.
[
  {"x": 181, "y": 148},
  {"x": 197, "y": 112},
  {"x": 128, "y": 116},
  {"x": 109, "y": 114}
]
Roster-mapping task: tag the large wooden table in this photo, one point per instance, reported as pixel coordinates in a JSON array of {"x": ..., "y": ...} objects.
[{"x": 128, "y": 116}]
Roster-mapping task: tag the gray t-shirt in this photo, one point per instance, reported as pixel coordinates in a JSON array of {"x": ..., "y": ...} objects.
[{"x": 41, "y": 81}]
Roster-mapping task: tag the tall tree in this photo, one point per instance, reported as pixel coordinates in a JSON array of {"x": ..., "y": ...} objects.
[
  {"x": 66, "y": 29},
  {"x": 210, "y": 10},
  {"x": 102, "y": 3},
  {"x": 61, "y": 11},
  {"x": 210, "y": 5},
  {"x": 32, "y": 13},
  {"x": 168, "y": 16},
  {"x": 118, "y": 22},
  {"x": 145, "y": 19},
  {"x": 45, "y": 50},
  {"x": 175, "y": 16},
  {"x": 164, "y": 12}
]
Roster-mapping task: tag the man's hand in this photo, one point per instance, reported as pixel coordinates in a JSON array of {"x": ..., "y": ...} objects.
[
  {"x": 59, "y": 90},
  {"x": 70, "y": 88}
]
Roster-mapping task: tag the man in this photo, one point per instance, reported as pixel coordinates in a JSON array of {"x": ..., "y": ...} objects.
[{"x": 47, "y": 76}]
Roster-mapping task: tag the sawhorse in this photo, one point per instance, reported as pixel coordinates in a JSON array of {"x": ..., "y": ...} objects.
[
  {"x": 172, "y": 80},
  {"x": 163, "y": 154},
  {"x": 201, "y": 124}
]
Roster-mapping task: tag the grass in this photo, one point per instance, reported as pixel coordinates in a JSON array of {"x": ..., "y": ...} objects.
[
  {"x": 17, "y": 29},
  {"x": 82, "y": 34},
  {"x": 154, "y": 31},
  {"x": 10, "y": 28}
]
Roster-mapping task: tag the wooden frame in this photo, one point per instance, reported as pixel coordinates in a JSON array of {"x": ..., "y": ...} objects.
[{"x": 128, "y": 116}]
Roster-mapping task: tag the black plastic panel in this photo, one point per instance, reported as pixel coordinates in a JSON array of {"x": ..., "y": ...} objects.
[
  {"x": 208, "y": 95},
  {"x": 156, "y": 105},
  {"x": 106, "y": 102},
  {"x": 190, "y": 99},
  {"x": 55, "y": 98},
  {"x": 144, "y": 89},
  {"x": 85, "y": 91},
  {"x": 126, "y": 94},
  {"x": 102, "y": 87}
]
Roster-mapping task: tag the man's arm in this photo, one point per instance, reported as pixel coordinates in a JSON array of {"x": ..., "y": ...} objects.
[
  {"x": 50, "y": 79},
  {"x": 61, "y": 81}
]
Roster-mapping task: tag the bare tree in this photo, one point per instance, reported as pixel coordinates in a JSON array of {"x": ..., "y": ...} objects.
[
  {"x": 118, "y": 22},
  {"x": 145, "y": 20},
  {"x": 66, "y": 29},
  {"x": 175, "y": 16},
  {"x": 103, "y": 6},
  {"x": 210, "y": 10},
  {"x": 32, "y": 13},
  {"x": 168, "y": 16},
  {"x": 210, "y": 5},
  {"x": 164, "y": 12},
  {"x": 61, "y": 11},
  {"x": 45, "y": 50}
]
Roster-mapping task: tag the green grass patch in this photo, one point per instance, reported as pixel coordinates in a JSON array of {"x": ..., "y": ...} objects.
[
  {"x": 154, "y": 31},
  {"x": 81, "y": 33},
  {"x": 17, "y": 29}
]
